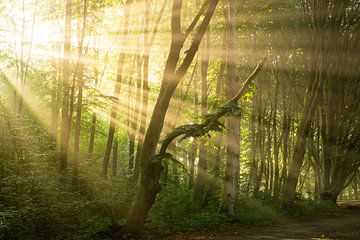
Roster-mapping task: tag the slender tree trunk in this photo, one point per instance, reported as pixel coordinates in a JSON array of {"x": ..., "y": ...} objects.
[
  {"x": 94, "y": 114},
  {"x": 114, "y": 165},
  {"x": 55, "y": 98},
  {"x": 92, "y": 136},
  {"x": 24, "y": 64},
  {"x": 285, "y": 148},
  {"x": 260, "y": 142},
  {"x": 78, "y": 123},
  {"x": 253, "y": 150},
  {"x": 300, "y": 145},
  {"x": 216, "y": 183},
  {"x": 65, "y": 131},
  {"x": 269, "y": 159},
  {"x": 192, "y": 156},
  {"x": 79, "y": 105},
  {"x": 194, "y": 145},
  {"x": 229, "y": 193},
  {"x": 133, "y": 125},
  {"x": 202, "y": 175},
  {"x": 115, "y": 105},
  {"x": 276, "y": 143},
  {"x": 149, "y": 41}
]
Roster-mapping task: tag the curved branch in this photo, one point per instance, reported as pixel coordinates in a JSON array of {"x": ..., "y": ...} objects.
[{"x": 211, "y": 122}]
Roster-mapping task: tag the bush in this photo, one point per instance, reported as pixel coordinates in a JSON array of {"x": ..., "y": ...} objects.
[
  {"x": 309, "y": 207},
  {"x": 254, "y": 211}
]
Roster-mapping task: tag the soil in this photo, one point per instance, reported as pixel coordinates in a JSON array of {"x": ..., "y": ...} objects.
[{"x": 342, "y": 224}]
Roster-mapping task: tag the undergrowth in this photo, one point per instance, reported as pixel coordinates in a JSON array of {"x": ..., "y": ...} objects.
[{"x": 174, "y": 211}]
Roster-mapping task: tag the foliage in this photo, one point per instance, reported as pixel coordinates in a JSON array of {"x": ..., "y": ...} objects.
[{"x": 309, "y": 207}]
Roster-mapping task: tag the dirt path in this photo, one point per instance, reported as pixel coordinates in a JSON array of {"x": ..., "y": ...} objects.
[
  {"x": 343, "y": 225},
  {"x": 346, "y": 226}
]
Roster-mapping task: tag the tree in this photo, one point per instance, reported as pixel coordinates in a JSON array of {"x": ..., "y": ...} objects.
[
  {"x": 230, "y": 184},
  {"x": 117, "y": 89},
  {"x": 202, "y": 175},
  {"x": 65, "y": 131},
  {"x": 327, "y": 24},
  {"x": 150, "y": 171},
  {"x": 148, "y": 43},
  {"x": 80, "y": 81}
]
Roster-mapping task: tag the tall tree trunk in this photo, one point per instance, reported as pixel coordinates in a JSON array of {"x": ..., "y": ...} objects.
[
  {"x": 300, "y": 143},
  {"x": 79, "y": 105},
  {"x": 114, "y": 165},
  {"x": 260, "y": 142},
  {"x": 194, "y": 145},
  {"x": 229, "y": 192},
  {"x": 115, "y": 105},
  {"x": 253, "y": 150},
  {"x": 285, "y": 145},
  {"x": 151, "y": 170},
  {"x": 92, "y": 136},
  {"x": 55, "y": 98},
  {"x": 192, "y": 156},
  {"x": 269, "y": 159},
  {"x": 149, "y": 42},
  {"x": 202, "y": 177},
  {"x": 65, "y": 128},
  {"x": 216, "y": 182},
  {"x": 24, "y": 63},
  {"x": 97, "y": 82},
  {"x": 133, "y": 125},
  {"x": 277, "y": 143},
  {"x": 311, "y": 100}
]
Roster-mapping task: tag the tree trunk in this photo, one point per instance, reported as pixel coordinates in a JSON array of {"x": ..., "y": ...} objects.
[
  {"x": 151, "y": 171},
  {"x": 115, "y": 105},
  {"x": 299, "y": 148},
  {"x": 114, "y": 165},
  {"x": 202, "y": 175},
  {"x": 276, "y": 143},
  {"x": 192, "y": 156},
  {"x": 311, "y": 101},
  {"x": 80, "y": 77},
  {"x": 92, "y": 136},
  {"x": 55, "y": 97},
  {"x": 97, "y": 82},
  {"x": 149, "y": 41},
  {"x": 229, "y": 193},
  {"x": 133, "y": 120},
  {"x": 24, "y": 63},
  {"x": 285, "y": 145},
  {"x": 65, "y": 131}
]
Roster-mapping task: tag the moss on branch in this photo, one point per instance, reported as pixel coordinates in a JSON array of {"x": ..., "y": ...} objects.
[{"x": 211, "y": 121}]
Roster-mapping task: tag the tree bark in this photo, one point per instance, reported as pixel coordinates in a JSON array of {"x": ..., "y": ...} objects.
[
  {"x": 149, "y": 186},
  {"x": 149, "y": 42},
  {"x": 229, "y": 192},
  {"x": 65, "y": 131},
  {"x": 79, "y": 106},
  {"x": 202, "y": 175},
  {"x": 114, "y": 165},
  {"x": 115, "y": 105},
  {"x": 277, "y": 143}
]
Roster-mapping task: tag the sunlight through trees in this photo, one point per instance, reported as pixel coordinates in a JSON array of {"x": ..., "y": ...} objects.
[{"x": 122, "y": 116}]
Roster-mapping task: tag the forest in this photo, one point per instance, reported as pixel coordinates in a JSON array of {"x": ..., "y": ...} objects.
[{"x": 124, "y": 119}]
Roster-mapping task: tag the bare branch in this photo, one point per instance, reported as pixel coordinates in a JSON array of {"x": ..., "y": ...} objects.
[{"x": 211, "y": 122}]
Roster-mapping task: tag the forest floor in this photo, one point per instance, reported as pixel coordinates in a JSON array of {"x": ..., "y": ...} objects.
[{"x": 342, "y": 224}]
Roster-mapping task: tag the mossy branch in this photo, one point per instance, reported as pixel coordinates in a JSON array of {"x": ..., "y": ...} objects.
[{"x": 211, "y": 121}]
